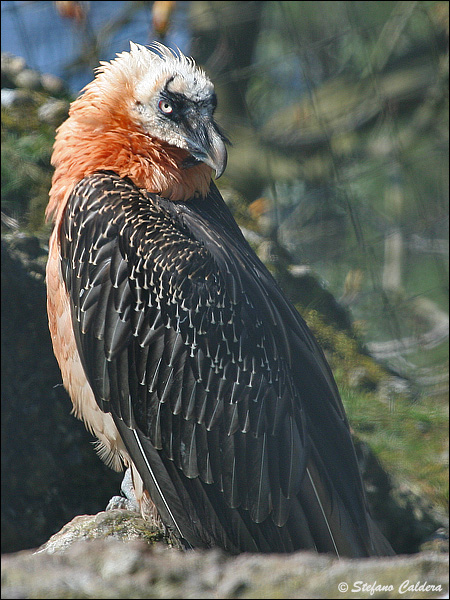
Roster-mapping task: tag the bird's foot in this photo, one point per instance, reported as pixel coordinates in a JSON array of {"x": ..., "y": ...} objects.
[{"x": 128, "y": 500}]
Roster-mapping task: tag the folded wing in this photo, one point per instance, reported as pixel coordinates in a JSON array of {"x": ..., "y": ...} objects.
[{"x": 220, "y": 393}]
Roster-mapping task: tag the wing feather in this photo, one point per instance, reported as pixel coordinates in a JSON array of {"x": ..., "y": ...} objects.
[{"x": 222, "y": 397}]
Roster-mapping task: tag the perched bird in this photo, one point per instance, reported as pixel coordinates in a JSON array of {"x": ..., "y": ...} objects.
[{"x": 179, "y": 350}]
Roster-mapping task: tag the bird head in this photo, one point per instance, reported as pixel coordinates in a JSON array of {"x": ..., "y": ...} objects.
[
  {"x": 175, "y": 102},
  {"x": 169, "y": 98},
  {"x": 147, "y": 115}
]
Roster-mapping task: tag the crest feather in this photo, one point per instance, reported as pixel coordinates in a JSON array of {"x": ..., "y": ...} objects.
[{"x": 153, "y": 61}]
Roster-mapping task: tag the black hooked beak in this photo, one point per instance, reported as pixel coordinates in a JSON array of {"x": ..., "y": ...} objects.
[{"x": 206, "y": 143}]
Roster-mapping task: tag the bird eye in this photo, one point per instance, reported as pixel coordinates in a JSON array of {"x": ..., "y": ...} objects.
[{"x": 165, "y": 107}]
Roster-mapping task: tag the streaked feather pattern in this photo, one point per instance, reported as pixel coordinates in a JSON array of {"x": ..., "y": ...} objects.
[{"x": 221, "y": 395}]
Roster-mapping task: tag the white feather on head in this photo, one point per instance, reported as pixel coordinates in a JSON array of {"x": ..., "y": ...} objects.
[{"x": 144, "y": 70}]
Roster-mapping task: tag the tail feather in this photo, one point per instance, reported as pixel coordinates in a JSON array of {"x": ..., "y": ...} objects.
[{"x": 197, "y": 513}]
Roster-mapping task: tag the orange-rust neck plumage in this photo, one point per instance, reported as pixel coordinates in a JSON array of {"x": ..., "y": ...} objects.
[{"x": 104, "y": 132}]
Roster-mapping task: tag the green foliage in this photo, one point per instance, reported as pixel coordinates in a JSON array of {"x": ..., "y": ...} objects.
[
  {"x": 25, "y": 161},
  {"x": 346, "y": 359},
  {"x": 408, "y": 435},
  {"x": 26, "y": 177}
]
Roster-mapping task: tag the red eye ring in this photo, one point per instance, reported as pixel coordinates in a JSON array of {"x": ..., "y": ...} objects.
[{"x": 165, "y": 107}]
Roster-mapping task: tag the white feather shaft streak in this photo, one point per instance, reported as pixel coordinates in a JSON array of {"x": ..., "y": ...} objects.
[
  {"x": 158, "y": 487},
  {"x": 323, "y": 512}
]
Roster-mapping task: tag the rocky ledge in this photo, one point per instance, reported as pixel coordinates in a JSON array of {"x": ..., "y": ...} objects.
[{"x": 116, "y": 554}]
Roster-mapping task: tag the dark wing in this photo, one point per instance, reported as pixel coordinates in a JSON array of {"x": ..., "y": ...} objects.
[{"x": 221, "y": 395}]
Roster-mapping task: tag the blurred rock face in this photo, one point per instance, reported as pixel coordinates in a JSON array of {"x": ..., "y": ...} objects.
[
  {"x": 50, "y": 471},
  {"x": 111, "y": 568}
]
